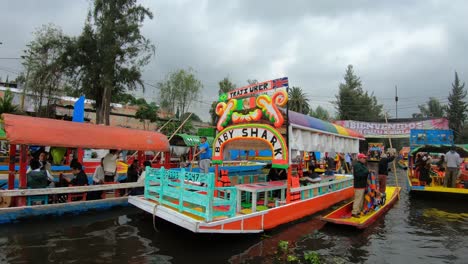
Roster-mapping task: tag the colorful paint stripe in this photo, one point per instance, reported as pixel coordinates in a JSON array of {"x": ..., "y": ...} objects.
[{"x": 317, "y": 124}]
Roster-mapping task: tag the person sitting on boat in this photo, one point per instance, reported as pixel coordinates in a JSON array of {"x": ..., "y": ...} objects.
[
  {"x": 361, "y": 173},
  {"x": 80, "y": 179},
  {"x": 205, "y": 155},
  {"x": 383, "y": 171},
  {"x": 98, "y": 175},
  {"x": 146, "y": 163},
  {"x": 453, "y": 162},
  {"x": 50, "y": 178},
  {"x": 133, "y": 172},
  {"x": 424, "y": 170},
  {"x": 36, "y": 178},
  {"x": 331, "y": 164},
  {"x": 110, "y": 166}
]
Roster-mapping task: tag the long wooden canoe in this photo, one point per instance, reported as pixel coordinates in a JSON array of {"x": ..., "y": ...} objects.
[{"x": 342, "y": 215}]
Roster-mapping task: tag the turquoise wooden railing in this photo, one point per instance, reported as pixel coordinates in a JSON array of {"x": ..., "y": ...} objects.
[
  {"x": 317, "y": 189},
  {"x": 190, "y": 192}
]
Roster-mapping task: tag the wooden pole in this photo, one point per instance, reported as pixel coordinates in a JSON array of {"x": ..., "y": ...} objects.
[
  {"x": 159, "y": 130},
  {"x": 391, "y": 146},
  {"x": 11, "y": 167},
  {"x": 173, "y": 134}
]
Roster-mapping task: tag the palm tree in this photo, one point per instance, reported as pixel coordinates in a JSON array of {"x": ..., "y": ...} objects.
[
  {"x": 6, "y": 103},
  {"x": 433, "y": 108},
  {"x": 298, "y": 100}
]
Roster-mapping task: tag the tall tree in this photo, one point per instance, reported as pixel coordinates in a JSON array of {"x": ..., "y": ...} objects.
[
  {"x": 147, "y": 114},
  {"x": 44, "y": 72},
  {"x": 320, "y": 113},
  {"x": 352, "y": 103},
  {"x": 298, "y": 100},
  {"x": 106, "y": 59},
  {"x": 432, "y": 108},
  {"x": 457, "y": 107},
  {"x": 179, "y": 90},
  {"x": 225, "y": 86}
]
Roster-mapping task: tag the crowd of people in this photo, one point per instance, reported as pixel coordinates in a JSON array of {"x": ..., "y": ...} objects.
[{"x": 39, "y": 173}]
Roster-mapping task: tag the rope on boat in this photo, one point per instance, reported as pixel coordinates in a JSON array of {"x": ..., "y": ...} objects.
[{"x": 154, "y": 217}]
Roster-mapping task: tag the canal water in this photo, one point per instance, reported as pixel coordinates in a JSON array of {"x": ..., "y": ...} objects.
[{"x": 414, "y": 231}]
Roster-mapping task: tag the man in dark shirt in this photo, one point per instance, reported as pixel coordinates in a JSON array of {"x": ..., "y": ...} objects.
[
  {"x": 383, "y": 170},
  {"x": 361, "y": 173},
  {"x": 81, "y": 178}
]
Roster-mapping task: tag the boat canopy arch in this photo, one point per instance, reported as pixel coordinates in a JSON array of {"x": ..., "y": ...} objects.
[
  {"x": 26, "y": 130},
  {"x": 252, "y": 137},
  {"x": 308, "y": 133},
  {"x": 462, "y": 151},
  {"x": 186, "y": 140}
]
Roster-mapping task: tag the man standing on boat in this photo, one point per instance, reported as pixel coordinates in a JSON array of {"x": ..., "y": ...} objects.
[
  {"x": 205, "y": 155},
  {"x": 383, "y": 170},
  {"x": 109, "y": 164},
  {"x": 360, "y": 182},
  {"x": 453, "y": 161}
]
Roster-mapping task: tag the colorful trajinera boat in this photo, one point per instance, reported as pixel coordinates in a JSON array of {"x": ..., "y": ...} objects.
[
  {"x": 435, "y": 143},
  {"x": 21, "y": 202},
  {"x": 255, "y": 117},
  {"x": 342, "y": 215}
]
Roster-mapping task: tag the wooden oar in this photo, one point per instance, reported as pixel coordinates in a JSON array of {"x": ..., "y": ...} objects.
[
  {"x": 394, "y": 166},
  {"x": 173, "y": 134}
]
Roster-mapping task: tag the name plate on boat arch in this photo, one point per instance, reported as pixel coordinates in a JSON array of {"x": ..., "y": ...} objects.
[{"x": 265, "y": 133}]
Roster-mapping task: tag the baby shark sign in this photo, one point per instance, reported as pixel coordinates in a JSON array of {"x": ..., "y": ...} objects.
[{"x": 245, "y": 132}]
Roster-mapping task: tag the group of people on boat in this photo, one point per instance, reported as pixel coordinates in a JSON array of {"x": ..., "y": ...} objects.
[
  {"x": 446, "y": 168},
  {"x": 39, "y": 173}
]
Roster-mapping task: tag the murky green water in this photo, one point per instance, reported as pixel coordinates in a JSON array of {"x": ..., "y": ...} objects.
[{"x": 414, "y": 231}]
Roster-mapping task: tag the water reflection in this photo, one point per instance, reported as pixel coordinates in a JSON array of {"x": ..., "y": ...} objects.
[{"x": 414, "y": 231}]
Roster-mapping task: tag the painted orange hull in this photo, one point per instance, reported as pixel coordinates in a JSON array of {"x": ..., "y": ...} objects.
[{"x": 274, "y": 217}]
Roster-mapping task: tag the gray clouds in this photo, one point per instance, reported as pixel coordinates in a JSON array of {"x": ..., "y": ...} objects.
[{"x": 416, "y": 45}]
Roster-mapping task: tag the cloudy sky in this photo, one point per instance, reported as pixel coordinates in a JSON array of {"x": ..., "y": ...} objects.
[{"x": 416, "y": 46}]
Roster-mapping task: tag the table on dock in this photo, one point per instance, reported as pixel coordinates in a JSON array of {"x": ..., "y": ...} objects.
[{"x": 256, "y": 188}]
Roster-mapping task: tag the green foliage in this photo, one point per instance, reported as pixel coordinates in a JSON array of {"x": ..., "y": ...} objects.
[
  {"x": 292, "y": 258},
  {"x": 298, "y": 101},
  {"x": 457, "y": 108},
  {"x": 172, "y": 126},
  {"x": 312, "y": 257},
  {"x": 283, "y": 246},
  {"x": 433, "y": 108},
  {"x": 126, "y": 98},
  {"x": 106, "y": 59},
  {"x": 6, "y": 103},
  {"x": 147, "y": 113},
  {"x": 352, "y": 103},
  {"x": 320, "y": 113},
  {"x": 179, "y": 90},
  {"x": 194, "y": 117},
  {"x": 44, "y": 75},
  {"x": 225, "y": 86}
]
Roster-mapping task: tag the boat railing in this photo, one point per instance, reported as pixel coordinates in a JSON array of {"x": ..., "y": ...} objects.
[
  {"x": 190, "y": 192},
  {"x": 72, "y": 189},
  {"x": 316, "y": 189}
]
